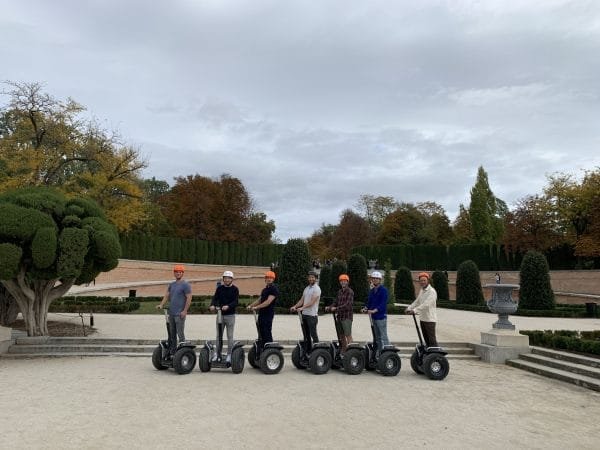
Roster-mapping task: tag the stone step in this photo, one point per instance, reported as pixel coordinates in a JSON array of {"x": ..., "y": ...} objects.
[
  {"x": 557, "y": 374},
  {"x": 566, "y": 356},
  {"x": 562, "y": 365}
]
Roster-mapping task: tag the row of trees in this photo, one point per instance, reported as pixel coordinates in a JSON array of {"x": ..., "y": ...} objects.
[
  {"x": 565, "y": 215},
  {"x": 48, "y": 142}
]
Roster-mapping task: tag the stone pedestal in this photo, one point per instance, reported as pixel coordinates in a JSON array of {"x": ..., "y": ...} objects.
[{"x": 499, "y": 345}]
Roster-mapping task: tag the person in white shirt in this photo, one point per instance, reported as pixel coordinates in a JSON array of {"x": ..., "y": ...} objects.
[
  {"x": 309, "y": 306},
  {"x": 424, "y": 306}
]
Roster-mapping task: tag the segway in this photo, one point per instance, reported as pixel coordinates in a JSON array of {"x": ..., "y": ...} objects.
[
  {"x": 184, "y": 358},
  {"x": 266, "y": 356},
  {"x": 387, "y": 361},
  {"x": 430, "y": 361},
  {"x": 318, "y": 358},
  {"x": 211, "y": 355},
  {"x": 353, "y": 361}
]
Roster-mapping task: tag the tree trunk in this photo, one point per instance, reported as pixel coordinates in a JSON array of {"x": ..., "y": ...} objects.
[
  {"x": 8, "y": 307},
  {"x": 34, "y": 300}
]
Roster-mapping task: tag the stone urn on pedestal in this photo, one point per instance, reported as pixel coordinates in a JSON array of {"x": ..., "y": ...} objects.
[{"x": 502, "y": 342}]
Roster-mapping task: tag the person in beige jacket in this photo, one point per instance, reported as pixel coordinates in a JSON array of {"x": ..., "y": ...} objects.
[{"x": 424, "y": 306}]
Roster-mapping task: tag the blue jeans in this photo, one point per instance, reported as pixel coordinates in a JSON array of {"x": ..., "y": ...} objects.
[
  {"x": 177, "y": 325},
  {"x": 381, "y": 337}
]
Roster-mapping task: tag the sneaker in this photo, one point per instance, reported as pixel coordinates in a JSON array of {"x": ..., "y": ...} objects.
[
  {"x": 228, "y": 360},
  {"x": 215, "y": 357}
]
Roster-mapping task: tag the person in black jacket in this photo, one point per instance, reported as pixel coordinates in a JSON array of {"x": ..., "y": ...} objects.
[{"x": 226, "y": 297}]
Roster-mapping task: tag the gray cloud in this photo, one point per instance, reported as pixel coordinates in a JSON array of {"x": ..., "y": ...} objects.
[{"x": 312, "y": 104}]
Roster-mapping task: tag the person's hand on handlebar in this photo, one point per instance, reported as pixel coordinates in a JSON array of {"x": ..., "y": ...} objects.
[
  {"x": 224, "y": 308},
  {"x": 212, "y": 308},
  {"x": 410, "y": 311},
  {"x": 330, "y": 308},
  {"x": 293, "y": 309},
  {"x": 159, "y": 306}
]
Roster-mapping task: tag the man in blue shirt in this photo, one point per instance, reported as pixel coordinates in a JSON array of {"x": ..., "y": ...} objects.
[
  {"x": 179, "y": 296},
  {"x": 377, "y": 308}
]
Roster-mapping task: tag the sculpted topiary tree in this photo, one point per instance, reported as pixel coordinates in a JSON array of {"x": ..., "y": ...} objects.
[
  {"x": 48, "y": 243},
  {"x": 293, "y": 270},
  {"x": 327, "y": 290},
  {"x": 404, "y": 287},
  {"x": 468, "y": 284},
  {"x": 440, "y": 284},
  {"x": 359, "y": 278},
  {"x": 535, "y": 291}
]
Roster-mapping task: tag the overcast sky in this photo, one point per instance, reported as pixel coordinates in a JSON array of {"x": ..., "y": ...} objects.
[{"x": 314, "y": 103}]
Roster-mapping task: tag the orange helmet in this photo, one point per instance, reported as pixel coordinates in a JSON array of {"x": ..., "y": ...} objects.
[
  {"x": 344, "y": 277},
  {"x": 270, "y": 274},
  {"x": 178, "y": 268},
  {"x": 424, "y": 274}
]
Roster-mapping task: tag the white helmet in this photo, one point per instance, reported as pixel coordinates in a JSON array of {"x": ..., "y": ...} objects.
[
  {"x": 228, "y": 273},
  {"x": 376, "y": 275}
]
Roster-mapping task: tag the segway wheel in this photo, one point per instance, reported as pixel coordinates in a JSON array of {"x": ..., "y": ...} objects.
[
  {"x": 320, "y": 361},
  {"x": 296, "y": 358},
  {"x": 436, "y": 366},
  {"x": 184, "y": 361},
  {"x": 354, "y": 361},
  {"x": 389, "y": 364},
  {"x": 271, "y": 361},
  {"x": 252, "y": 357},
  {"x": 204, "y": 360},
  {"x": 414, "y": 363},
  {"x": 157, "y": 359},
  {"x": 237, "y": 360}
]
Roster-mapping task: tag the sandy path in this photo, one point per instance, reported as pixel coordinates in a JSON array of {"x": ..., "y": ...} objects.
[{"x": 125, "y": 403}]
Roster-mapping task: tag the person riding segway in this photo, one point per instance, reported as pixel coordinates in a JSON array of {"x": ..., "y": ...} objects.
[
  {"x": 224, "y": 303},
  {"x": 346, "y": 354},
  {"x": 380, "y": 355},
  {"x": 428, "y": 358},
  {"x": 309, "y": 352},
  {"x": 266, "y": 354},
  {"x": 169, "y": 353}
]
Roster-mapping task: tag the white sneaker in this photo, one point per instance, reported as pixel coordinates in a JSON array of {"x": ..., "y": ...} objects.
[
  {"x": 215, "y": 357},
  {"x": 228, "y": 360}
]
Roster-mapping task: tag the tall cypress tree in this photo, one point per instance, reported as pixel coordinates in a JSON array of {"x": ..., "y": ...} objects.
[
  {"x": 293, "y": 271},
  {"x": 468, "y": 284},
  {"x": 484, "y": 211},
  {"x": 404, "y": 287},
  {"x": 359, "y": 282},
  {"x": 440, "y": 284},
  {"x": 536, "y": 291}
]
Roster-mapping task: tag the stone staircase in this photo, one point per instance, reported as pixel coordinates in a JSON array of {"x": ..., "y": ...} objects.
[
  {"x": 581, "y": 370},
  {"x": 44, "y": 347}
]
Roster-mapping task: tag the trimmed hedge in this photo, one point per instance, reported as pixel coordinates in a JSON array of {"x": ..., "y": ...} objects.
[
  {"x": 94, "y": 304},
  {"x": 561, "y": 310},
  {"x": 576, "y": 341}
]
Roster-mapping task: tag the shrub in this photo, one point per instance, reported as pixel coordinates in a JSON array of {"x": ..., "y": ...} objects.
[
  {"x": 327, "y": 290},
  {"x": 359, "y": 282},
  {"x": 337, "y": 268},
  {"x": 295, "y": 264},
  {"x": 440, "y": 284},
  {"x": 536, "y": 291},
  {"x": 404, "y": 287},
  {"x": 468, "y": 284}
]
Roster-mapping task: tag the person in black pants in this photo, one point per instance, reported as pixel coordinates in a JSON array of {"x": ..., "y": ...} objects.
[{"x": 266, "y": 308}]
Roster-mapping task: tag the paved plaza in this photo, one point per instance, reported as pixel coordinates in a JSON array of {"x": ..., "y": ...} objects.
[{"x": 119, "y": 402}]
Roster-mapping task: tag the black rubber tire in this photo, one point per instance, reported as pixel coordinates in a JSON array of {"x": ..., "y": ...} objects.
[
  {"x": 204, "y": 360},
  {"x": 320, "y": 361},
  {"x": 436, "y": 366},
  {"x": 267, "y": 359},
  {"x": 414, "y": 363},
  {"x": 389, "y": 364},
  {"x": 237, "y": 360},
  {"x": 296, "y": 358},
  {"x": 157, "y": 359},
  {"x": 252, "y": 357},
  {"x": 184, "y": 360},
  {"x": 354, "y": 361}
]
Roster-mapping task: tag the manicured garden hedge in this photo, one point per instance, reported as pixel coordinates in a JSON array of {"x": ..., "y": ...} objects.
[
  {"x": 94, "y": 304},
  {"x": 576, "y": 341},
  {"x": 561, "y": 310}
]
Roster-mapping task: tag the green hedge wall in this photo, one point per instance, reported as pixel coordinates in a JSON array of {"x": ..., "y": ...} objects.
[
  {"x": 153, "y": 248},
  {"x": 438, "y": 257},
  {"x": 576, "y": 341}
]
